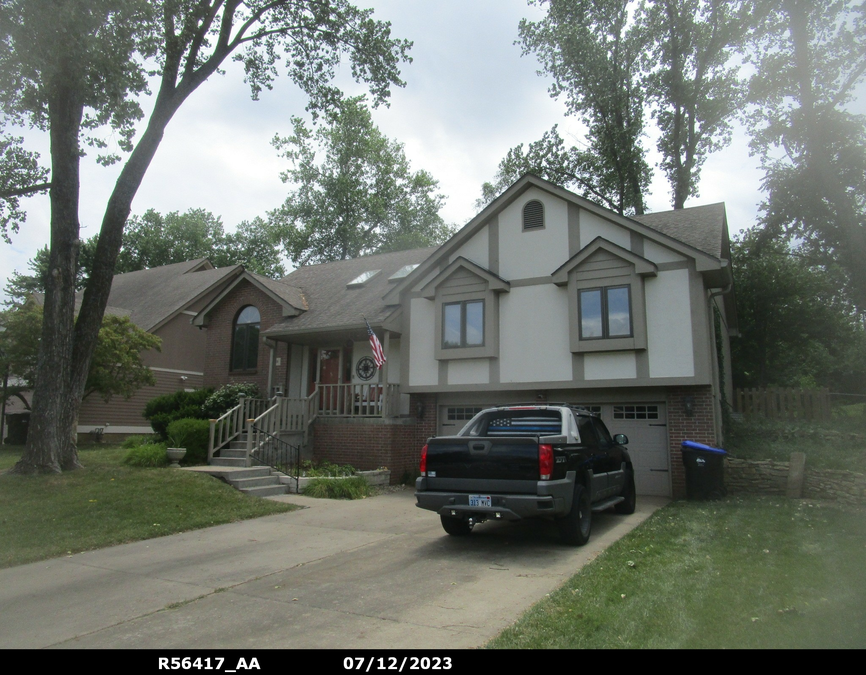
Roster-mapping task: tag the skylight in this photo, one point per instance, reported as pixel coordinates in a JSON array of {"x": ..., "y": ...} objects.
[
  {"x": 362, "y": 278},
  {"x": 402, "y": 272}
]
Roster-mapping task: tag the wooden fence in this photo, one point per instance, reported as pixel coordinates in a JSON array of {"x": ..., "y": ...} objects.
[{"x": 782, "y": 403}]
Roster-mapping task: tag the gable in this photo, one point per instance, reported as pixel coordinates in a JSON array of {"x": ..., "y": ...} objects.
[{"x": 570, "y": 222}]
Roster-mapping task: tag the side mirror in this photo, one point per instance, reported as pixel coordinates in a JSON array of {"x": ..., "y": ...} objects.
[{"x": 620, "y": 439}]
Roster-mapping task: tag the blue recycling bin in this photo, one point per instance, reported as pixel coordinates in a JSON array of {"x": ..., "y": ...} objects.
[{"x": 705, "y": 471}]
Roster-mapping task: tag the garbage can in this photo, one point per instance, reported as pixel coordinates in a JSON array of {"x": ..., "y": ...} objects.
[{"x": 705, "y": 471}]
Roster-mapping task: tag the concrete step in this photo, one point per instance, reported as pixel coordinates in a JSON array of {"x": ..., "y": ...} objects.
[
  {"x": 267, "y": 491},
  {"x": 232, "y": 452},
  {"x": 229, "y": 461},
  {"x": 261, "y": 481}
]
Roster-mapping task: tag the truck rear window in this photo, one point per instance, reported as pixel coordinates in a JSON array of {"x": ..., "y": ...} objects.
[{"x": 518, "y": 423}]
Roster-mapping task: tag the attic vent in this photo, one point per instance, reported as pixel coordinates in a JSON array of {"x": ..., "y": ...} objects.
[
  {"x": 362, "y": 278},
  {"x": 533, "y": 215},
  {"x": 402, "y": 273}
]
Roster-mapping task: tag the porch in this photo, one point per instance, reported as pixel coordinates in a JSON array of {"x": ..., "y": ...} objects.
[{"x": 253, "y": 421}]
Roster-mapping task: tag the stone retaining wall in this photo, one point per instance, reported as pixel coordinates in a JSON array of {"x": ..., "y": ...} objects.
[{"x": 770, "y": 477}]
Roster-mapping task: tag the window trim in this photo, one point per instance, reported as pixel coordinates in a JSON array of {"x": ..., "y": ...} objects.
[
  {"x": 605, "y": 314},
  {"x": 463, "y": 304},
  {"x": 258, "y": 324},
  {"x": 490, "y": 346},
  {"x": 637, "y": 308}
]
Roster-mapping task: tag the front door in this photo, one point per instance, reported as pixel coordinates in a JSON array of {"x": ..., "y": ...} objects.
[{"x": 329, "y": 374}]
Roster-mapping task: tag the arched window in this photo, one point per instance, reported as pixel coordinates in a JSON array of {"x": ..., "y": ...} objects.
[
  {"x": 245, "y": 339},
  {"x": 533, "y": 215}
]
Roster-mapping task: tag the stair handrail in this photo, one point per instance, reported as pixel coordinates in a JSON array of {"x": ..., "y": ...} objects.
[{"x": 231, "y": 424}]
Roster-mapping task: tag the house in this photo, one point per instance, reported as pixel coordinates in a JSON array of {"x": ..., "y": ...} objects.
[
  {"x": 543, "y": 296},
  {"x": 163, "y": 301}
]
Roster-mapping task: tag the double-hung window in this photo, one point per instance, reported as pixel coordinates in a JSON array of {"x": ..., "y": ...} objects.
[
  {"x": 463, "y": 324},
  {"x": 605, "y": 313}
]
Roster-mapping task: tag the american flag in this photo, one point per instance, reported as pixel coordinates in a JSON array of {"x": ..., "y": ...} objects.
[{"x": 378, "y": 352}]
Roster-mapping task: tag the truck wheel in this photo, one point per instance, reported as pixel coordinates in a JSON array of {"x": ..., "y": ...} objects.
[
  {"x": 576, "y": 526},
  {"x": 456, "y": 527},
  {"x": 626, "y": 507}
]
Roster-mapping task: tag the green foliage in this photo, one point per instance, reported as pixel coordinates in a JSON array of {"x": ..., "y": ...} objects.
[
  {"x": 352, "y": 487},
  {"x": 115, "y": 370},
  {"x": 689, "y": 79},
  {"x": 192, "y": 434},
  {"x": 227, "y": 397},
  {"x": 809, "y": 68},
  {"x": 134, "y": 441},
  {"x": 737, "y": 574},
  {"x": 840, "y": 444},
  {"x": 20, "y": 176},
  {"x": 592, "y": 52},
  {"x": 615, "y": 61},
  {"x": 110, "y": 503},
  {"x": 796, "y": 327},
  {"x": 78, "y": 69},
  {"x": 148, "y": 455},
  {"x": 152, "y": 240},
  {"x": 326, "y": 469},
  {"x": 163, "y": 410},
  {"x": 361, "y": 198}
]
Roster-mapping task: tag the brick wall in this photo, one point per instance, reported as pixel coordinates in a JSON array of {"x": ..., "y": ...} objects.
[
  {"x": 700, "y": 427},
  {"x": 370, "y": 443},
  {"x": 219, "y": 340}
]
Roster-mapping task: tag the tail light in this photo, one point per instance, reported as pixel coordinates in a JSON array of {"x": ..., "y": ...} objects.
[
  {"x": 545, "y": 461},
  {"x": 424, "y": 461}
]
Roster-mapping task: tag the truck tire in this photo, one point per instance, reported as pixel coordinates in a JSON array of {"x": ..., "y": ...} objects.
[
  {"x": 627, "y": 506},
  {"x": 456, "y": 527},
  {"x": 577, "y": 525}
]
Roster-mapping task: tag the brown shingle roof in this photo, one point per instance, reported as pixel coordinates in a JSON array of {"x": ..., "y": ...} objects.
[
  {"x": 701, "y": 227},
  {"x": 153, "y": 295},
  {"x": 332, "y": 305}
]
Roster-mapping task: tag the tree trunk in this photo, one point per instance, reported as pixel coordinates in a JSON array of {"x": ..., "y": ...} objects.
[{"x": 51, "y": 443}]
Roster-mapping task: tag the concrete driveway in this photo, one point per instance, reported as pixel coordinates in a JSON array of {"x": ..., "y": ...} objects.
[{"x": 378, "y": 573}]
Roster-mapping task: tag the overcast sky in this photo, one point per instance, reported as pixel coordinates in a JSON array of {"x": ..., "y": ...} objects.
[{"x": 469, "y": 97}]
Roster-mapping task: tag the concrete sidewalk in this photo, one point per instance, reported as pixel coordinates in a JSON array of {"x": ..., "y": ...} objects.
[{"x": 376, "y": 573}]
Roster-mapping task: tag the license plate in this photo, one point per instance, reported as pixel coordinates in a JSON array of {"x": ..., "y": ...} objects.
[{"x": 479, "y": 500}]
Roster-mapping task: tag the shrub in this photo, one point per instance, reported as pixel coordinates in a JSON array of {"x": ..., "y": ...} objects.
[
  {"x": 326, "y": 469},
  {"x": 192, "y": 434},
  {"x": 134, "y": 441},
  {"x": 148, "y": 455},
  {"x": 226, "y": 397},
  {"x": 353, "y": 487},
  {"x": 163, "y": 410}
]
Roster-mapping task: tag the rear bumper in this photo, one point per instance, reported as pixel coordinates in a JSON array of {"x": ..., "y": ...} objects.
[{"x": 552, "y": 499}]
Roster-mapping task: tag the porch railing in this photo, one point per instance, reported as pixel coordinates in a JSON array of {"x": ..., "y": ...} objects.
[
  {"x": 288, "y": 415},
  {"x": 232, "y": 424},
  {"x": 359, "y": 400},
  {"x": 276, "y": 415}
]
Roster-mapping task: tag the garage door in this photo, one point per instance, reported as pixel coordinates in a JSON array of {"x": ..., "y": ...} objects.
[
  {"x": 646, "y": 428},
  {"x": 453, "y": 418}
]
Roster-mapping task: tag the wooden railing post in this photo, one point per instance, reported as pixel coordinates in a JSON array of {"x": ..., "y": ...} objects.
[{"x": 210, "y": 440}]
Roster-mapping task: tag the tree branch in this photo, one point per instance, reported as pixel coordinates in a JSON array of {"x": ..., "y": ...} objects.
[{"x": 20, "y": 192}]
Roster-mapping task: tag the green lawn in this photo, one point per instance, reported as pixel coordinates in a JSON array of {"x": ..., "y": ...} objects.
[
  {"x": 741, "y": 573},
  {"x": 108, "y": 503},
  {"x": 840, "y": 444}
]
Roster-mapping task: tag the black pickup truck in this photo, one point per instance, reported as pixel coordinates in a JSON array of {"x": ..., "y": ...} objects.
[{"x": 539, "y": 461}]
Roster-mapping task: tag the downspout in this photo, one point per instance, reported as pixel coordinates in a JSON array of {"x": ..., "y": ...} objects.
[{"x": 722, "y": 386}]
